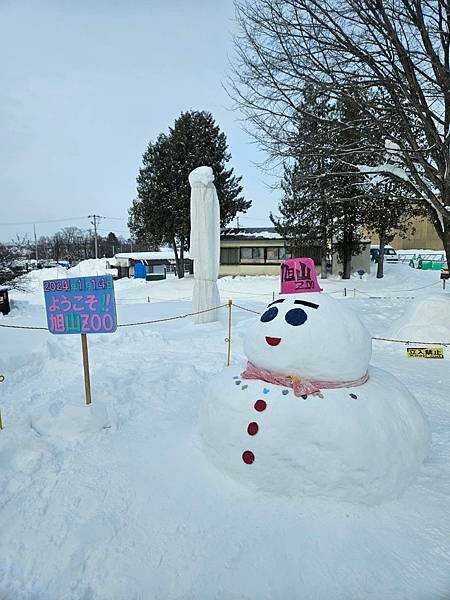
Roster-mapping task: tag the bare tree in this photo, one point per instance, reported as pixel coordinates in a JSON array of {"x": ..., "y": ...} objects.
[{"x": 391, "y": 56}]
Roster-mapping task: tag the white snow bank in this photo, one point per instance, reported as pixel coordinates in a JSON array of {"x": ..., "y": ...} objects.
[
  {"x": 426, "y": 319},
  {"x": 92, "y": 266},
  {"x": 73, "y": 422}
]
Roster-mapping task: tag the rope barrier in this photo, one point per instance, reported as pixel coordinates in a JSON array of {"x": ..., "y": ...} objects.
[
  {"x": 374, "y": 338},
  {"x": 173, "y": 318},
  {"x": 412, "y": 342},
  {"x": 127, "y": 324},
  {"x": 247, "y": 309},
  {"x": 23, "y": 327},
  {"x": 244, "y": 308}
]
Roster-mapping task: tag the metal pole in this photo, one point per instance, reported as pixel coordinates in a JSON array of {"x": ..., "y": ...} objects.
[
  {"x": 35, "y": 243},
  {"x": 345, "y": 291},
  {"x": 95, "y": 236},
  {"x": 228, "y": 339},
  {"x": 94, "y": 223},
  {"x": 87, "y": 378}
]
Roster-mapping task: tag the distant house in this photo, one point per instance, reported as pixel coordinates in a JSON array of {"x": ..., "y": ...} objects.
[
  {"x": 154, "y": 262},
  {"x": 257, "y": 251},
  {"x": 243, "y": 251}
]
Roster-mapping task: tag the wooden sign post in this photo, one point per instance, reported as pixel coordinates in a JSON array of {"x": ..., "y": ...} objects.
[
  {"x": 87, "y": 376},
  {"x": 81, "y": 305},
  {"x": 2, "y": 379}
]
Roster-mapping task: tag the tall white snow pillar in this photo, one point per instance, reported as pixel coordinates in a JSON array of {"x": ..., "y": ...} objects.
[{"x": 204, "y": 247}]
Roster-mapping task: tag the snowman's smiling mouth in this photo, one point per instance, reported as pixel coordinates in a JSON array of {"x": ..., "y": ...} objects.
[{"x": 273, "y": 341}]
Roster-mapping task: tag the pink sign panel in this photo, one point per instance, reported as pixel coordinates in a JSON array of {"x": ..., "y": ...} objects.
[{"x": 298, "y": 275}]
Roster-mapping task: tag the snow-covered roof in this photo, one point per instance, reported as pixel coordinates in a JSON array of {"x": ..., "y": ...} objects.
[
  {"x": 267, "y": 233},
  {"x": 166, "y": 254}
]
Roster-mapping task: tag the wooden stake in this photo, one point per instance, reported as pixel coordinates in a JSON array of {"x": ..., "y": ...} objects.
[
  {"x": 2, "y": 379},
  {"x": 228, "y": 339},
  {"x": 87, "y": 378}
]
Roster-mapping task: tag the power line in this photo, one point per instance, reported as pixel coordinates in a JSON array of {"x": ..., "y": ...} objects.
[{"x": 43, "y": 222}]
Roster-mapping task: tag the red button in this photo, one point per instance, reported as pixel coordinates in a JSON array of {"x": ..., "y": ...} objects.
[
  {"x": 252, "y": 428},
  {"x": 248, "y": 457},
  {"x": 260, "y": 405}
]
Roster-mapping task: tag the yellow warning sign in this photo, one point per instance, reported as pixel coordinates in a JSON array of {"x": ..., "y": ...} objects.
[{"x": 425, "y": 352}]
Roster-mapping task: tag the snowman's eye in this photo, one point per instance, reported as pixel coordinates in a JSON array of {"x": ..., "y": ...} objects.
[
  {"x": 295, "y": 316},
  {"x": 269, "y": 315}
]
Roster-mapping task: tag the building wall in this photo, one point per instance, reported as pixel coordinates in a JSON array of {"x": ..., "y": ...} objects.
[
  {"x": 360, "y": 262},
  {"x": 424, "y": 237},
  {"x": 263, "y": 269}
]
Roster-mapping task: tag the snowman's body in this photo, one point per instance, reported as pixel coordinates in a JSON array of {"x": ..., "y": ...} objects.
[{"x": 363, "y": 443}]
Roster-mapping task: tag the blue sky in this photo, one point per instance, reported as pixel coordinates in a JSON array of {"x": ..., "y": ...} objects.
[{"x": 85, "y": 84}]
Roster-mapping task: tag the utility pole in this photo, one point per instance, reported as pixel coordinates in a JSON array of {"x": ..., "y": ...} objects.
[
  {"x": 237, "y": 219},
  {"x": 95, "y": 221},
  {"x": 35, "y": 243}
]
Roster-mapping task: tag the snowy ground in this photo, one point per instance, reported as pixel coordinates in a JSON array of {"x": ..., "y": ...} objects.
[{"x": 123, "y": 505}]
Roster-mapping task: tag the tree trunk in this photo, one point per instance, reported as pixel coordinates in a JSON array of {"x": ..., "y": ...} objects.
[
  {"x": 177, "y": 259},
  {"x": 446, "y": 240},
  {"x": 380, "y": 265},
  {"x": 324, "y": 240},
  {"x": 346, "y": 258},
  {"x": 181, "y": 274}
]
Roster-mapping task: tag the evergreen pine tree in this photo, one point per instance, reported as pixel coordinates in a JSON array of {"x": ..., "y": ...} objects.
[
  {"x": 161, "y": 212},
  {"x": 308, "y": 202}
]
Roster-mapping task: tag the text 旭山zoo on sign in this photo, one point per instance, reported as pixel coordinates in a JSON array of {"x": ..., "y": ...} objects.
[{"x": 80, "y": 305}]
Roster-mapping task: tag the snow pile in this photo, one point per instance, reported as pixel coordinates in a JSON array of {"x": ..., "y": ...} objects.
[
  {"x": 137, "y": 510},
  {"x": 360, "y": 441},
  {"x": 91, "y": 266},
  {"x": 427, "y": 319},
  {"x": 71, "y": 421}
]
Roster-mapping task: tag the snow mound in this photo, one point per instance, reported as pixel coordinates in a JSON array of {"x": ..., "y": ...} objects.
[
  {"x": 427, "y": 319},
  {"x": 92, "y": 266},
  {"x": 309, "y": 417},
  {"x": 69, "y": 421},
  {"x": 362, "y": 445}
]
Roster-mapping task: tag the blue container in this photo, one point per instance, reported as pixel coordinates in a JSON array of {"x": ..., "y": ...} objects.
[{"x": 140, "y": 271}]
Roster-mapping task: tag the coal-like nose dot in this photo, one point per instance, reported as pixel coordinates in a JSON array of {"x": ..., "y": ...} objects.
[
  {"x": 295, "y": 316},
  {"x": 252, "y": 428},
  {"x": 248, "y": 457},
  {"x": 260, "y": 405}
]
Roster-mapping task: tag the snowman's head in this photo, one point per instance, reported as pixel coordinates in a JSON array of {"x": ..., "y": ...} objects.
[{"x": 309, "y": 335}]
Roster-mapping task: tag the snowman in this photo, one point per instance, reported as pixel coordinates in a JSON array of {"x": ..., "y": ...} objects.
[{"x": 307, "y": 415}]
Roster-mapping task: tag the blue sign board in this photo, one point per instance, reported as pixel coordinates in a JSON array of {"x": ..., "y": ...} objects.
[{"x": 80, "y": 305}]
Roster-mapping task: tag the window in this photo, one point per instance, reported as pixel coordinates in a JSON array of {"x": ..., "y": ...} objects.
[
  {"x": 229, "y": 256},
  {"x": 252, "y": 255},
  {"x": 284, "y": 253},
  {"x": 272, "y": 255}
]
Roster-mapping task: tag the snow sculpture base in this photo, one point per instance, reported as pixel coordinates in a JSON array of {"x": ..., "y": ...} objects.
[
  {"x": 205, "y": 296},
  {"x": 69, "y": 421},
  {"x": 426, "y": 319},
  {"x": 363, "y": 444}
]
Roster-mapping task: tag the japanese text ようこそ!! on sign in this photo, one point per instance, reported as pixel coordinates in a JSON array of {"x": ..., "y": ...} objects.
[{"x": 80, "y": 305}]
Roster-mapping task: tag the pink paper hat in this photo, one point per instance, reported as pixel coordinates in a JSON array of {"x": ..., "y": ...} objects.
[{"x": 298, "y": 275}]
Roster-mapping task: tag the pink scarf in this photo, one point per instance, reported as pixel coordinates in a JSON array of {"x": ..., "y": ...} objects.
[{"x": 299, "y": 385}]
